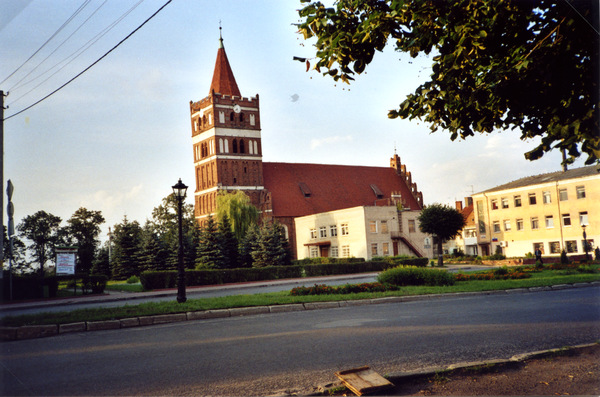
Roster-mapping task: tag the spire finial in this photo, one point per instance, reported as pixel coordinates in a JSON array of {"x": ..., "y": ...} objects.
[
  {"x": 395, "y": 148},
  {"x": 220, "y": 35}
]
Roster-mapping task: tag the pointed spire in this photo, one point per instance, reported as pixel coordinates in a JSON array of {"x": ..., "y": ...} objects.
[{"x": 223, "y": 81}]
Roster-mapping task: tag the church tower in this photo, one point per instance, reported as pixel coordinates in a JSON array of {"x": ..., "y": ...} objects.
[{"x": 226, "y": 142}]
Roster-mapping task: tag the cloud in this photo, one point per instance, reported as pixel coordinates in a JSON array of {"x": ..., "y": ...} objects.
[{"x": 314, "y": 143}]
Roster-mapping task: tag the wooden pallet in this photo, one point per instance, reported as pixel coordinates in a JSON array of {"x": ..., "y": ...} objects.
[{"x": 363, "y": 380}]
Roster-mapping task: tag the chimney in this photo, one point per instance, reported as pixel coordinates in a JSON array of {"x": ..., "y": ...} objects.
[{"x": 459, "y": 205}]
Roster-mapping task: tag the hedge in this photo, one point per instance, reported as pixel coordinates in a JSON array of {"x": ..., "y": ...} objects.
[
  {"x": 28, "y": 287},
  {"x": 168, "y": 279}
]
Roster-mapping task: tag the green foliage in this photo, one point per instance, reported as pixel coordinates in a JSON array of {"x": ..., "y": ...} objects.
[
  {"x": 209, "y": 254},
  {"x": 237, "y": 208},
  {"x": 586, "y": 269},
  {"x": 83, "y": 231},
  {"x": 501, "y": 271},
  {"x": 228, "y": 243},
  {"x": 133, "y": 280},
  {"x": 101, "y": 264},
  {"x": 42, "y": 230},
  {"x": 539, "y": 265},
  {"x": 442, "y": 221},
  {"x": 564, "y": 259},
  {"x": 272, "y": 247},
  {"x": 323, "y": 289},
  {"x": 410, "y": 275},
  {"x": 497, "y": 65},
  {"x": 28, "y": 286},
  {"x": 127, "y": 237},
  {"x": 95, "y": 282}
]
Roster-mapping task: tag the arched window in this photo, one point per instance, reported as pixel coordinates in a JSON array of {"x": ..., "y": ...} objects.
[
  {"x": 226, "y": 146},
  {"x": 250, "y": 147},
  {"x": 255, "y": 147},
  {"x": 204, "y": 120},
  {"x": 241, "y": 117},
  {"x": 242, "y": 146},
  {"x": 234, "y": 146},
  {"x": 231, "y": 116},
  {"x": 220, "y": 145}
]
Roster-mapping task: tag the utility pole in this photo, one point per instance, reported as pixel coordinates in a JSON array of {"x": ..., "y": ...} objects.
[{"x": 2, "y": 180}]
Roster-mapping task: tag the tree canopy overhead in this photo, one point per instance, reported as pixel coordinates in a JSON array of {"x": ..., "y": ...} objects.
[{"x": 531, "y": 65}]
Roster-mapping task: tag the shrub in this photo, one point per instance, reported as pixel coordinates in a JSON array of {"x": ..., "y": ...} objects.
[
  {"x": 539, "y": 265},
  {"x": 501, "y": 271},
  {"x": 411, "y": 275},
  {"x": 323, "y": 289},
  {"x": 95, "y": 282},
  {"x": 564, "y": 259},
  {"x": 133, "y": 280},
  {"x": 585, "y": 269},
  {"x": 597, "y": 253}
]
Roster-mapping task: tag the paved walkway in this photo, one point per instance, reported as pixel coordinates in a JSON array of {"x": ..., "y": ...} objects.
[{"x": 113, "y": 296}]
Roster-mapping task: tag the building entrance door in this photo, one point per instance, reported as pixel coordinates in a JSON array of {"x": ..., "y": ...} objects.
[
  {"x": 395, "y": 247},
  {"x": 324, "y": 252}
]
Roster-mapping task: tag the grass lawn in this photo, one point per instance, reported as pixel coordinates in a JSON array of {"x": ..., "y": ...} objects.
[{"x": 539, "y": 279}]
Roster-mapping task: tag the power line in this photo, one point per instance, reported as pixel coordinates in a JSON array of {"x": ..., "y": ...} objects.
[
  {"x": 79, "y": 51},
  {"x": 89, "y": 67},
  {"x": 81, "y": 7}
]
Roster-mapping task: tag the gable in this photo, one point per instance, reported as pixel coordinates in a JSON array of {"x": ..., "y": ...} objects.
[{"x": 306, "y": 189}]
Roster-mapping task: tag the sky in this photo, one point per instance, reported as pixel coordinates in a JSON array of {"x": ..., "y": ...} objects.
[{"x": 119, "y": 136}]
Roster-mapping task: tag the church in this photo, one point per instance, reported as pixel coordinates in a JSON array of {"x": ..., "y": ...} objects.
[{"x": 227, "y": 149}]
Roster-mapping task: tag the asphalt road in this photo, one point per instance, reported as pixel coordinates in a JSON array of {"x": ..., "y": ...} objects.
[{"x": 258, "y": 355}]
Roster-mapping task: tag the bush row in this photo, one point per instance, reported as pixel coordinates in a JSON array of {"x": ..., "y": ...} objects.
[
  {"x": 28, "y": 287},
  {"x": 168, "y": 279},
  {"x": 410, "y": 275},
  {"x": 323, "y": 289}
]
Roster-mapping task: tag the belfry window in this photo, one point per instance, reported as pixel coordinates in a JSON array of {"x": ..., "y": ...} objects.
[
  {"x": 241, "y": 117},
  {"x": 242, "y": 146},
  {"x": 231, "y": 116}
]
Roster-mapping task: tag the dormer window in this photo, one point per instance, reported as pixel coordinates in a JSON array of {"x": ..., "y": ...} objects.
[
  {"x": 304, "y": 189},
  {"x": 377, "y": 191}
]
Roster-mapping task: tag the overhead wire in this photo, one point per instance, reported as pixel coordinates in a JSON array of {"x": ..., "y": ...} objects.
[
  {"x": 16, "y": 85},
  {"x": 81, "y": 7},
  {"x": 79, "y": 52},
  {"x": 90, "y": 66}
]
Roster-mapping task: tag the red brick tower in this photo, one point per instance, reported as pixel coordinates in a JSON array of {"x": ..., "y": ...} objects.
[{"x": 227, "y": 144}]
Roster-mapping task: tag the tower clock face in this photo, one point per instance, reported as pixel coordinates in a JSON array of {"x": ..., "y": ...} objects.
[{"x": 237, "y": 108}]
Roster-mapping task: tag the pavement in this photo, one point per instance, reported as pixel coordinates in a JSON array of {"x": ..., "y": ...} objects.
[{"x": 114, "y": 296}]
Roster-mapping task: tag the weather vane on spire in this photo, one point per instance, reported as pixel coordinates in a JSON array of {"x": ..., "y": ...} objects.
[{"x": 220, "y": 35}]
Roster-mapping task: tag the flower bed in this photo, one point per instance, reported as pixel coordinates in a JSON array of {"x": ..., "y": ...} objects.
[
  {"x": 323, "y": 289},
  {"x": 492, "y": 276}
]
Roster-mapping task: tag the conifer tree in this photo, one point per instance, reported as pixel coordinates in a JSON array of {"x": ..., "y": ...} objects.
[
  {"x": 271, "y": 248},
  {"x": 208, "y": 253},
  {"x": 101, "y": 264},
  {"x": 248, "y": 244},
  {"x": 127, "y": 246},
  {"x": 228, "y": 242}
]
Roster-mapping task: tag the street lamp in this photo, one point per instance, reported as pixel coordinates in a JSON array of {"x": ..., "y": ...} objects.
[
  {"x": 179, "y": 191},
  {"x": 585, "y": 244}
]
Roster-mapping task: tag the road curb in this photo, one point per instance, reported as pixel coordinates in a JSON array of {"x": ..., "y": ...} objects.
[
  {"x": 41, "y": 331},
  {"x": 398, "y": 378}
]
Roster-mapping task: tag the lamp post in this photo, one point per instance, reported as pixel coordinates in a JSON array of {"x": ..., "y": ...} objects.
[
  {"x": 585, "y": 244},
  {"x": 179, "y": 191}
]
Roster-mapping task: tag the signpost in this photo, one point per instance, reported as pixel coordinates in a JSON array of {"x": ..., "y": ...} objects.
[{"x": 65, "y": 263}]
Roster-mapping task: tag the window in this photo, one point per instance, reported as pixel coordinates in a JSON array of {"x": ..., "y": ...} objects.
[
  {"x": 241, "y": 117},
  {"x": 504, "y": 203},
  {"x": 231, "y": 116},
  {"x": 222, "y": 117},
  {"x": 333, "y": 230},
  {"x": 580, "y": 192},
  {"x": 549, "y": 222},
  {"x": 532, "y": 199},
  {"x": 411, "y": 226},
  {"x": 496, "y": 227},
  {"x": 590, "y": 244},
  {"x": 255, "y": 147},
  {"x": 234, "y": 146},
  {"x": 345, "y": 251},
  {"x": 374, "y": 249},
  {"x": 322, "y": 231},
  {"x": 313, "y": 233},
  {"x": 566, "y": 219},
  {"x": 386, "y": 249},
  {"x": 373, "y": 226},
  {"x": 547, "y": 198},
  {"x": 563, "y": 195},
  {"x": 583, "y": 218},
  {"x": 519, "y": 224},
  {"x": 242, "y": 146},
  {"x": 494, "y": 204},
  {"x": 252, "y": 119},
  {"x": 571, "y": 246},
  {"x": 507, "y": 225},
  {"x": 555, "y": 247},
  {"x": 384, "y": 227},
  {"x": 518, "y": 201},
  {"x": 538, "y": 246},
  {"x": 344, "y": 227},
  {"x": 334, "y": 251},
  {"x": 314, "y": 251},
  {"x": 535, "y": 223}
]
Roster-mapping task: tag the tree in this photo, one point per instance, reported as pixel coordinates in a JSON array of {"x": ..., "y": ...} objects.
[
  {"x": 237, "y": 207},
  {"x": 271, "y": 247},
  {"x": 101, "y": 264},
  {"x": 531, "y": 65},
  {"x": 17, "y": 256},
  {"x": 442, "y": 221},
  {"x": 83, "y": 231},
  {"x": 127, "y": 246},
  {"x": 152, "y": 255},
  {"x": 42, "y": 230},
  {"x": 248, "y": 245},
  {"x": 228, "y": 242},
  {"x": 209, "y": 254}
]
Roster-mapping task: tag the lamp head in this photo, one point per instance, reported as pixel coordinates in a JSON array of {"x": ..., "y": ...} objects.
[{"x": 179, "y": 189}]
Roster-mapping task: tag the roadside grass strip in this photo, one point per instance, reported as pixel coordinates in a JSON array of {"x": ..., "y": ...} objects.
[{"x": 538, "y": 279}]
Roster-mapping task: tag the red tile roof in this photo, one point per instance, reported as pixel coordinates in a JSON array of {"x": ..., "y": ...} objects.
[
  {"x": 223, "y": 81},
  {"x": 331, "y": 187}
]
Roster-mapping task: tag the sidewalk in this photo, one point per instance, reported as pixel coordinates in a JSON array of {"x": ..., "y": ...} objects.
[{"x": 114, "y": 296}]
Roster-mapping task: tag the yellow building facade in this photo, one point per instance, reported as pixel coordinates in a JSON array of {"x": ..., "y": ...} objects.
[{"x": 549, "y": 211}]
